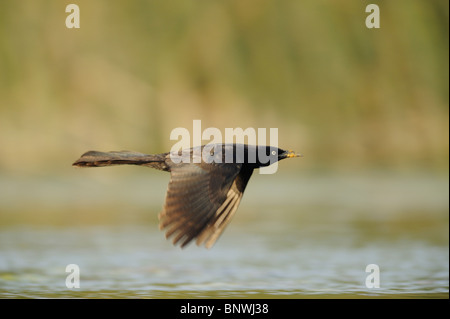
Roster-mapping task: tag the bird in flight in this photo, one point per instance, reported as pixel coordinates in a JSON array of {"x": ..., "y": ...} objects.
[{"x": 205, "y": 188}]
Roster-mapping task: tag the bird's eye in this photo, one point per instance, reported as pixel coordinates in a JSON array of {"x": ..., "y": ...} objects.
[{"x": 274, "y": 153}]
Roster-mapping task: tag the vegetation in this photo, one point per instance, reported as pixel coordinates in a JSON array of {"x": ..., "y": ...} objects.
[{"x": 342, "y": 94}]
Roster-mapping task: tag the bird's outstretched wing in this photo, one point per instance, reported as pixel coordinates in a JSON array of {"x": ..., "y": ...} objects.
[{"x": 201, "y": 200}]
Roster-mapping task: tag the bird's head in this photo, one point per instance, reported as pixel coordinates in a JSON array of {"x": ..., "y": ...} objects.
[{"x": 268, "y": 155}]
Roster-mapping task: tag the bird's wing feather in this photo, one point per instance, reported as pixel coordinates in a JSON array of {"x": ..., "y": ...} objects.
[
  {"x": 226, "y": 211},
  {"x": 200, "y": 201}
]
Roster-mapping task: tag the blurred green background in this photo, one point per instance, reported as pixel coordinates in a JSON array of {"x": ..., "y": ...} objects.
[{"x": 346, "y": 96}]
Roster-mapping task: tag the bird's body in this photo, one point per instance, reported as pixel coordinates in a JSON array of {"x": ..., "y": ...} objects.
[{"x": 206, "y": 184}]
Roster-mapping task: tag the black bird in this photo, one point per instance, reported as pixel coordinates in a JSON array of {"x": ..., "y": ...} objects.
[{"x": 206, "y": 184}]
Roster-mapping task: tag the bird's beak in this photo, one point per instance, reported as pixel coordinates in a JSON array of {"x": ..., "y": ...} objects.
[{"x": 290, "y": 154}]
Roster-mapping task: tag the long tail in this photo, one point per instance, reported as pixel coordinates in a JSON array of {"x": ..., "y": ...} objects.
[{"x": 98, "y": 159}]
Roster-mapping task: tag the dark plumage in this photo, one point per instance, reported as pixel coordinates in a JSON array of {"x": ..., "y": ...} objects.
[{"x": 204, "y": 192}]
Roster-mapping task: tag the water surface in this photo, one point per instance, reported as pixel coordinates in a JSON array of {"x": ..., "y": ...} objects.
[{"x": 312, "y": 239}]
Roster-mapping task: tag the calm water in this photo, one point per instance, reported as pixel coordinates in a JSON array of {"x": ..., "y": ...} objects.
[{"x": 308, "y": 239}]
